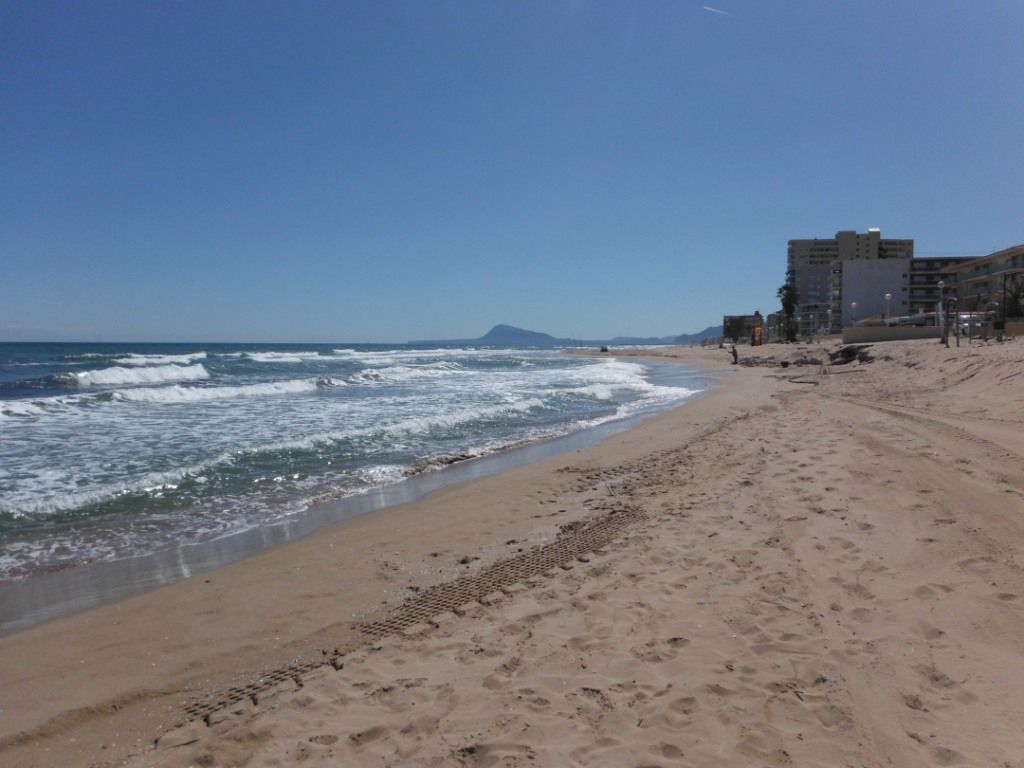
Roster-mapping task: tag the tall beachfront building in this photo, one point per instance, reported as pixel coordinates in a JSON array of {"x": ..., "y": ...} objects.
[{"x": 874, "y": 266}]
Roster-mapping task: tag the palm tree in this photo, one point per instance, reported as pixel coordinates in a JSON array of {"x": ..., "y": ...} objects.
[{"x": 788, "y": 296}]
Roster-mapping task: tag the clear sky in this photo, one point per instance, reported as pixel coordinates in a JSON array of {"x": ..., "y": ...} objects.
[{"x": 381, "y": 171}]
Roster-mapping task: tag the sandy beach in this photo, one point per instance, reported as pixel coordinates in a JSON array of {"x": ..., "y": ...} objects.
[{"x": 807, "y": 565}]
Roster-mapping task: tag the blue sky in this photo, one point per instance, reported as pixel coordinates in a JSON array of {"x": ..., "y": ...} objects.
[{"x": 335, "y": 171}]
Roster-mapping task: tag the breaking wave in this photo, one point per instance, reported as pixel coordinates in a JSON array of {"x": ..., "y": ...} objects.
[
  {"x": 404, "y": 372},
  {"x": 136, "y": 359},
  {"x": 281, "y": 357},
  {"x": 151, "y": 375},
  {"x": 180, "y": 394}
]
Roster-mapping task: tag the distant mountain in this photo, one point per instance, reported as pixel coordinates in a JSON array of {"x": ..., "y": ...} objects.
[
  {"x": 509, "y": 336},
  {"x": 501, "y": 335},
  {"x": 711, "y": 332}
]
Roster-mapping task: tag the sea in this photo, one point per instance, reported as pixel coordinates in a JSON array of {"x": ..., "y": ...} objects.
[{"x": 115, "y": 451}]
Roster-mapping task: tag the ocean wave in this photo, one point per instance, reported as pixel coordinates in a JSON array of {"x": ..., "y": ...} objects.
[
  {"x": 595, "y": 391},
  {"x": 159, "y": 482},
  {"x": 404, "y": 372},
  {"x": 139, "y": 359},
  {"x": 21, "y": 409},
  {"x": 400, "y": 356},
  {"x": 71, "y": 500},
  {"x": 404, "y": 428},
  {"x": 281, "y": 357},
  {"x": 62, "y": 405},
  {"x": 93, "y": 356},
  {"x": 147, "y": 375},
  {"x": 460, "y": 417},
  {"x": 180, "y": 394},
  {"x": 382, "y": 474}
]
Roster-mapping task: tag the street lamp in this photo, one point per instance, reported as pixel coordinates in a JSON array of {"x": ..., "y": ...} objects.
[
  {"x": 942, "y": 320},
  {"x": 853, "y": 313},
  {"x": 993, "y": 308},
  {"x": 888, "y": 297}
]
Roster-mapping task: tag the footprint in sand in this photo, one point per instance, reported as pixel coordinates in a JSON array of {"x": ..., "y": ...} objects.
[
  {"x": 913, "y": 701},
  {"x": 660, "y": 650},
  {"x": 936, "y": 677},
  {"x": 928, "y": 631},
  {"x": 685, "y": 705},
  {"x": 944, "y": 756},
  {"x": 976, "y": 564},
  {"x": 369, "y": 735},
  {"x": 325, "y": 740},
  {"x": 669, "y": 751}
]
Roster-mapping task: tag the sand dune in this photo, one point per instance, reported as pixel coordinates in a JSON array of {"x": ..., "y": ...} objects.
[{"x": 806, "y": 567}]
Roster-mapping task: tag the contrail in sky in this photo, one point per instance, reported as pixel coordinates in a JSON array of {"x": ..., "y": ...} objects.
[{"x": 715, "y": 10}]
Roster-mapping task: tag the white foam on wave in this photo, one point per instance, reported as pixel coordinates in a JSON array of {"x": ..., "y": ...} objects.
[
  {"x": 139, "y": 359},
  {"x": 402, "y": 356},
  {"x": 146, "y": 375},
  {"x": 27, "y": 504},
  {"x": 282, "y": 357},
  {"x": 30, "y": 506},
  {"x": 92, "y": 356},
  {"x": 614, "y": 372},
  {"x": 21, "y": 408},
  {"x": 458, "y": 417},
  {"x": 603, "y": 379},
  {"x": 382, "y": 474},
  {"x": 65, "y": 404},
  {"x": 405, "y": 372},
  {"x": 416, "y": 425},
  {"x": 595, "y": 391},
  {"x": 180, "y": 394}
]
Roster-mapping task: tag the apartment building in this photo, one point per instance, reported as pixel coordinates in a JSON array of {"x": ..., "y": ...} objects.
[
  {"x": 925, "y": 274},
  {"x": 995, "y": 280},
  {"x": 865, "y": 285},
  {"x": 816, "y": 267}
]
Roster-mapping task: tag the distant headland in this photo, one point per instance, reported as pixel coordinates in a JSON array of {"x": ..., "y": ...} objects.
[{"x": 510, "y": 336}]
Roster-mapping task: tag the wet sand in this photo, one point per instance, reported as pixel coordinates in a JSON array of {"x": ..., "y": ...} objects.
[{"x": 803, "y": 567}]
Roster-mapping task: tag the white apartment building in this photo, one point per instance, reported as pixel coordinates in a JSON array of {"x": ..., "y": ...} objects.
[
  {"x": 815, "y": 266},
  {"x": 866, "y": 283}
]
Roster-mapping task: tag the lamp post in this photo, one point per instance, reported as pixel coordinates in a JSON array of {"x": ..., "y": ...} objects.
[
  {"x": 993, "y": 309},
  {"x": 888, "y": 297},
  {"x": 853, "y": 313},
  {"x": 1002, "y": 321},
  {"x": 942, "y": 320},
  {"x": 951, "y": 309}
]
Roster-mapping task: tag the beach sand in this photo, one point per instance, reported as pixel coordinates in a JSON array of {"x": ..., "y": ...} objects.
[{"x": 804, "y": 566}]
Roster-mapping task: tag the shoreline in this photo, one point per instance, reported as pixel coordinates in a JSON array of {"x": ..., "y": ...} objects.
[
  {"x": 28, "y": 602},
  {"x": 200, "y": 634},
  {"x": 802, "y": 582}
]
